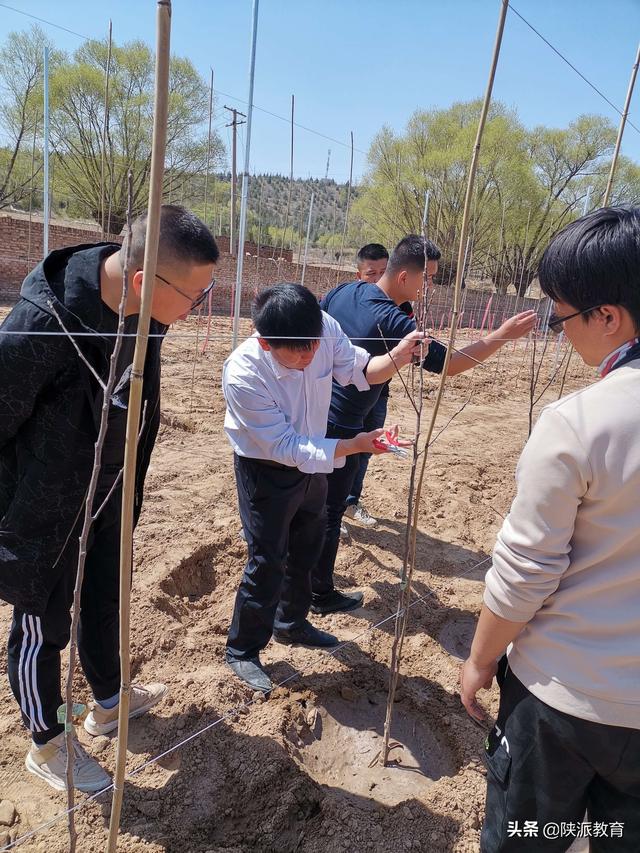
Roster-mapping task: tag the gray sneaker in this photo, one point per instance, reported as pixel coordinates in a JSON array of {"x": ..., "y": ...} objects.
[
  {"x": 49, "y": 762},
  {"x": 101, "y": 721},
  {"x": 359, "y": 513}
]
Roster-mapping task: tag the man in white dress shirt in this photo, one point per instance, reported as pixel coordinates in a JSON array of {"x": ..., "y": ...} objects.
[{"x": 277, "y": 385}]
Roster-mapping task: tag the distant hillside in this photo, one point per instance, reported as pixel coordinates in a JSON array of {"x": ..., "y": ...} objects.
[{"x": 267, "y": 206}]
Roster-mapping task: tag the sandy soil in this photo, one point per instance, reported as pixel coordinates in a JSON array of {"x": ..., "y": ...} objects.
[{"x": 294, "y": 773}]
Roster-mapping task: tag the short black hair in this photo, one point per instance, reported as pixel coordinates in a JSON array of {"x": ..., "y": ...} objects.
[
  {"x": 410, "y": 252},
  {"x": 372, "y": 252},
  {"x": 596, "y": 261},
  {"x": 183, "y": 239},
  {"x": 287, "y": 315}
]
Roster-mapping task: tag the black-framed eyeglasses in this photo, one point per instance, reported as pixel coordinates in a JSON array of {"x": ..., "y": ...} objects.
[
  {"x": 554, "y": 322},
  {"x": 195, "y": 303}
]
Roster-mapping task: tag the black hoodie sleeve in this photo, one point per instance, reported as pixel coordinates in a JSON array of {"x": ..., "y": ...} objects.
[{"x": 28, "y": 364}]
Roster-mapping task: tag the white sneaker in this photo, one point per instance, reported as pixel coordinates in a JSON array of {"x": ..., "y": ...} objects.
[
  {"x": 49, "y": 762},
  {"x": 358, "y": 513},
  {"x": 344, "y": 533},
  {"x": 101, "y": 721}
]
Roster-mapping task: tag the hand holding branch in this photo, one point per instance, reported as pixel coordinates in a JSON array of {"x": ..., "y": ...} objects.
[
  {"x": 517, "y": 326},
  {"x": 413, "y": 346},
  {"x": 375, "y": 442}
]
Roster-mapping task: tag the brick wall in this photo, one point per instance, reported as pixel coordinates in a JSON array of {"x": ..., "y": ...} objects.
[
  {"x": 21, "y": 250},
  {"x": 21, "y": 247}
]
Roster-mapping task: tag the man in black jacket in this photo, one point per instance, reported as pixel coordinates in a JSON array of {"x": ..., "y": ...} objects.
[{"x": 50, "y": 403}]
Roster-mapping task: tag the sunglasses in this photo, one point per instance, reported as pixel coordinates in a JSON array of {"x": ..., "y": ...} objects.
[
  {"x": 195, "y": 303},
  {"x": 555, "y": 322}
]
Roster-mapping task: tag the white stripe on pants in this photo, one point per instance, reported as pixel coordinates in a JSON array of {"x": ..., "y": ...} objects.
[{"x": 27, "y": 672}]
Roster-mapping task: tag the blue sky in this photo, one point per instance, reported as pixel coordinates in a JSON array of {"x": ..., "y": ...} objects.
[{"x": 356, "y": 65}]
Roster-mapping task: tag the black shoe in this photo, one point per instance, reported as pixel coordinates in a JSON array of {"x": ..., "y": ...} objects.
[
  {"x": 336, "y": 602},
  {"x": 307, "y": 636},
  {"x": 251, "y": 672}
]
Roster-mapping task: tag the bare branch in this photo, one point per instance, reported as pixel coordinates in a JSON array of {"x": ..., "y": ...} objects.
[
  {"x": 82, "y": 356},
  {"x": 83, "y": 545}
]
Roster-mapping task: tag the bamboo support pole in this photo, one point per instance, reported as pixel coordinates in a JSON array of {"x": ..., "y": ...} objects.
[
  {"x": 405, "y": 591},
  {"x": 237, "y": 305},
  {"x": 623, "y": 121},
  {"x": 161, "y": 99}
]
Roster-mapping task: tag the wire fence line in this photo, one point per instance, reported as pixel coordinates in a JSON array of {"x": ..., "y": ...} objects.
[{"x": 226, "y": 716}]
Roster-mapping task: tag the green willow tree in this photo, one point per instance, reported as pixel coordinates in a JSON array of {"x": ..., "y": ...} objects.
[
  {"x": 529, "y": 184},
  {"x": 21, "y": 83},
  {"x": 77, "y": 122}
]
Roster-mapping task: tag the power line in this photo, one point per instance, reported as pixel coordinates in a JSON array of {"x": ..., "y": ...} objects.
[
  {"x": 324, "y": 135},
  {"x": 288, "y": 121},
  {"x": 218, "y": 91},
  {"x": 44, "y": 21},
  {"x": 571, "y": 65},
  {"x": 233, "y": 712}
]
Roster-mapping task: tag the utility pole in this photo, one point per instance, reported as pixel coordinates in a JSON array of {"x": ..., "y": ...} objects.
[{"x": 234, "y": 124}]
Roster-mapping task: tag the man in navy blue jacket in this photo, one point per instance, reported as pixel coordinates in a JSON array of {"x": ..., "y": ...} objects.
[
  {"x": 371, "y": 263},
  {"x": 370, "y": 315}
]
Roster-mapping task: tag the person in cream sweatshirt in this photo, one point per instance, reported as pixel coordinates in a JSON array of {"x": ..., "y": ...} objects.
[{"x": 560, "y": 622}]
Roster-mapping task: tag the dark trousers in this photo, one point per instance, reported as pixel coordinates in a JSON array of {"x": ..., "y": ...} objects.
[
  {"x": 339, "y": 484},
  {"x": 549, "y": 767},
  {"x": 35, "y": 642},
  {"x": 374, "y": 420},
  {"x": 283, "y": 518}
]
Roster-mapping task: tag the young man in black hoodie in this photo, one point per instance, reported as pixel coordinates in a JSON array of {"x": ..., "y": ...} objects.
[{"x": 50, "y": 404}]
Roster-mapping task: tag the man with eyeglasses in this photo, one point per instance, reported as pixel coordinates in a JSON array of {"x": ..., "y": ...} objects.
[
  {"x": 560, "y": 623},
  {"x": 50, "y": 406}
]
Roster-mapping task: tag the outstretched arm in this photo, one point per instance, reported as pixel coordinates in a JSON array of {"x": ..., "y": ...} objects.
[
  {"x": 383, "y": 367},
  {"x": 512, "y": 329}
]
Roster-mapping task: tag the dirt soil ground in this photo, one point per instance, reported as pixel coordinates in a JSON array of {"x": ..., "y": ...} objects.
[{"x": 294, "y": 773}]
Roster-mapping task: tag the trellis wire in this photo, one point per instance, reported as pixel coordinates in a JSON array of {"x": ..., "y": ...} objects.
[{"x": 228, "y": 715}]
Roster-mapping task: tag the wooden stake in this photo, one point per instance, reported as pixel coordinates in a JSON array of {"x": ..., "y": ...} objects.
[
  {"x": 623, "y": 121},
  {"x": 405, "y": 592},
  {"x": 163, "y": 30}
]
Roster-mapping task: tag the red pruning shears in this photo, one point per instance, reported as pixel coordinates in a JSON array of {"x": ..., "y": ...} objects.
[{"x": 390, "y": 445}]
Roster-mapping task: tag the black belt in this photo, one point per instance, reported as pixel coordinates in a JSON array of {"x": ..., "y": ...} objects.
[{"x": 271, "y": 464}]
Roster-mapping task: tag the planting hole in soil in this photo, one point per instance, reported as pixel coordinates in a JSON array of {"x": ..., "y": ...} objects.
[
  {"x": 194, "y": 577},
  {"x": 342, "y": 738}
]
